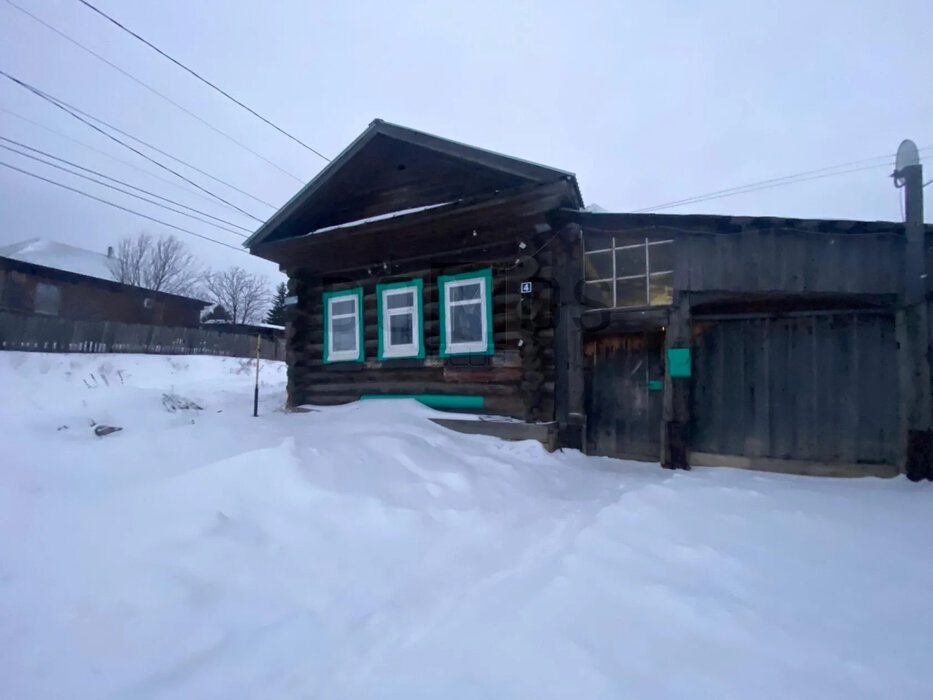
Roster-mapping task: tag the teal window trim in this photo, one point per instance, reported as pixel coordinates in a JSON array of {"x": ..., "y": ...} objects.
[
  {"x": 357, "y": 294},
  {"x": 484, "y": 347},
  {"x": 385, "y": 352}
]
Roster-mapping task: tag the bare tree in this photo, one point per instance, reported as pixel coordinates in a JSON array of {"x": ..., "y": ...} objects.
[
  {"x": 162, "y": 264},
  {"x": 243, "y": 294}
]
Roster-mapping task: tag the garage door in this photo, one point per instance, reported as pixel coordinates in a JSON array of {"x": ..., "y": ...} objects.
[{"x": 820, "y": 388}]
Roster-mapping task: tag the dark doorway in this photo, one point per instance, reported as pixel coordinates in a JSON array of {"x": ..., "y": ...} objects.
[{"x": 623, "y": 376}]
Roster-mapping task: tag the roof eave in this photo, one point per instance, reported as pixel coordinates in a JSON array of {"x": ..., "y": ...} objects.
[{"x": 499, "y": 161}]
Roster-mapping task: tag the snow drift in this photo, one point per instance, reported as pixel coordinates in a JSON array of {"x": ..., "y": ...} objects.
[{"x": 364, "y": 552}]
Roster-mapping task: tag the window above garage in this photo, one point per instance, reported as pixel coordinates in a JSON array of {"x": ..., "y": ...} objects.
[{"x": 625, "y": 271}]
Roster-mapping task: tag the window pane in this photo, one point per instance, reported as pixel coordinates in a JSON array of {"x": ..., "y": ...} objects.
[
  {"x": 661, "y": 257},
  {"x": 625, "y": 240},
  {"x": 630, "y": 261},
  {"x": 631, "y": 292},
  {"x": 399, "y": 300},
  {"x": 596, "y": 240},
  {"x": 344, "y": 330},
  {"x": 470, "y": 290},
  {"x": 466, "y": 323},
  {"x": 597, "y": 294},
  {"x": 662, "y": 289},
  {"x": 343, "y": 306},
  {"x": 47, "y": 299},
  {"x": 598, "y": 266},
  {"x": 401, "y": 331}
]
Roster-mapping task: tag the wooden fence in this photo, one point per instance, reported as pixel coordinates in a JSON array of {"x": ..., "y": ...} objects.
[{"x": 53, "y": 334}]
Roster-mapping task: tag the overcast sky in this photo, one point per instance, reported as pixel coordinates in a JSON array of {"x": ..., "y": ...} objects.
[{"x": 647, "y": 102}]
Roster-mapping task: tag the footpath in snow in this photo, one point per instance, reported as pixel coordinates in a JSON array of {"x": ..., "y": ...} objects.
[{"x": 364, "y": 552}]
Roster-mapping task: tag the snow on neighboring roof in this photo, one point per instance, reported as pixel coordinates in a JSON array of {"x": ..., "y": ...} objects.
[
  {"x": 595, "y": 209},
  {"x": 60, "y": 256}
]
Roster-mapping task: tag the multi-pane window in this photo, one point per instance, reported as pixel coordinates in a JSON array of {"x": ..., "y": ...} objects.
[
  {"x": 624, "y": 271},
  {"x": 48, "y": 299},
  {"x": 466, "y": 313},
  {"x": 343, "y": 326},
  {"x": 400, "y": 324}
]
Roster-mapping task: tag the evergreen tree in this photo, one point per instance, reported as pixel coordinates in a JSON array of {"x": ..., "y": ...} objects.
[{"x": 277, "y": 312}]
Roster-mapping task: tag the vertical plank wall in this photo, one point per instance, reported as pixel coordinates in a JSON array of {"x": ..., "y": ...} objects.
[{"x": 818, "y": 388}]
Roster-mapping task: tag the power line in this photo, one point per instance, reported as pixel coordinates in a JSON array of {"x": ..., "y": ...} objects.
[
  {"x": 71, "y": 171},
  {"x": 153, "y": 90},
  {"x": 174, "y": 183},
  {"x": 73, "y": 112},
  {"x": 117, "y": 206},
  {"x": 162, "y": 152},
  {"x": 202, "y": 79},
  {"x": 816, "y": 174},
  {"x": 125, "y": 184}
]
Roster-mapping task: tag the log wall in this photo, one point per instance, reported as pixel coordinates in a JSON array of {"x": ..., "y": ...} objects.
[{"x": 517, "y": 380}]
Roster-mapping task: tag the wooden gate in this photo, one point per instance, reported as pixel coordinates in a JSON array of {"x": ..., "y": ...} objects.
[
  {"x": 819, "y": 387},
  {"x": 623, "y": 377}
]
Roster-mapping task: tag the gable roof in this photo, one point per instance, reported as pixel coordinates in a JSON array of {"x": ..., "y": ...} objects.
[
  {"x": 60, "y": 256},
  {"x": 390, "y": 168}
]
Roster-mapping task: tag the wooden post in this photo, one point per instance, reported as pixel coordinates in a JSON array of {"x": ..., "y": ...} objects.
[
  {"x": 675, "y": 422},
  {"x": 913, "y": 338},
  {"x": 256, "y": 388},
  {"x": 568, "y": 339}
]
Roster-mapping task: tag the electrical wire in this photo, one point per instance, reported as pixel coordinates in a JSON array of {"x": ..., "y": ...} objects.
[
  {"x": 121, "y": 182},
  {"x": 118, "y": 206},
  {"x": 174, "y": 183},
  {"x": 65, "y": 107},
  {"x": 816, "y": 174},
  {"x": 202, "y": 79},
  {"x": 153, "y": 90},
  {"x": 72, "y": 171}
]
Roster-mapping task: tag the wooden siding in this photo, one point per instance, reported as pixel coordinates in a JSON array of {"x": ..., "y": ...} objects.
[
  {"x": 790, "y": 262},
  {"x": 87, "y": 298},
  {"x": 820, "y": 387}
]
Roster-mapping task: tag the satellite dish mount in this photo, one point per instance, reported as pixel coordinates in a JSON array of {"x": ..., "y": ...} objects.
[{"x": 907, "y": 157}]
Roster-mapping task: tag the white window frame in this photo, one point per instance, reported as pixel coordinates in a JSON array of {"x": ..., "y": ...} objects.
[
  {"x": 331, "y": 298},
  {"x": 484, "y": 345},
  {"x": 388, "y": 350}
]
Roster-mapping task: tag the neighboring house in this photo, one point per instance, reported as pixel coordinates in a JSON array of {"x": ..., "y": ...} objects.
[
  {"x": 61, "y": 256},
  {"x": 423, "y": 267},
  {"x": 37, "y": 289}
]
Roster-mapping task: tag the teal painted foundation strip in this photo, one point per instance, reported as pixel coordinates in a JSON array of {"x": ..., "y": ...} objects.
[{"x": 435, "y": 400}]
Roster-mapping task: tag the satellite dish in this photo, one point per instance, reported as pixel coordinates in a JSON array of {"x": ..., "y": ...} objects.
[{"x": 907, "y": 155}]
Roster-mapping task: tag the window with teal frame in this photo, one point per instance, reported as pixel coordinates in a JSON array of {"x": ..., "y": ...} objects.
[
  {"x": 466, "y": 313},
  {"x": 401, "y": 320},
  {"x": 343, "y": 325}
]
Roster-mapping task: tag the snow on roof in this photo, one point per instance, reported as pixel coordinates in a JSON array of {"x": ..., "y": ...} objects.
[
  {"x": 378, "y": 217},
  {"x": 60, "y": 256}
]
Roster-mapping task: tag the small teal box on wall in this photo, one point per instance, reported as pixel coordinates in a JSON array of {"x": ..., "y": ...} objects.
[{"x": 678, "y": 362}]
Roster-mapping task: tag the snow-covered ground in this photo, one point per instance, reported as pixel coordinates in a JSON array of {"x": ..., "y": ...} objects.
[{"x": 364, "y": 552}]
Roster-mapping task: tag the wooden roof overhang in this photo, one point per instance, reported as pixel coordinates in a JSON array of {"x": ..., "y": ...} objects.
[
  {"x": 472, "y": 224},
  {"x": 390, "y": 168}
]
